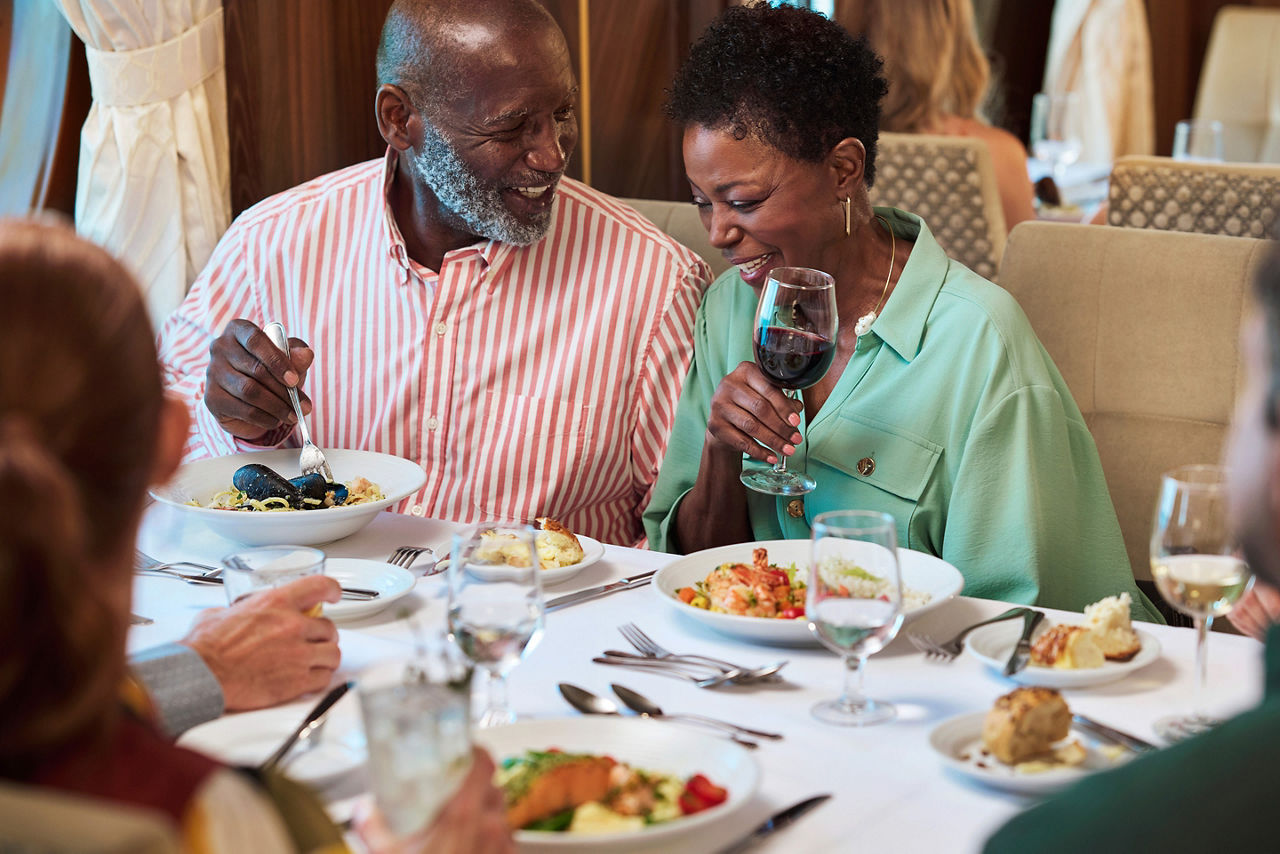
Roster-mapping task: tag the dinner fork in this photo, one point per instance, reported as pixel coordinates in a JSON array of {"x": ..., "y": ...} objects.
[
  {"x": 144, "y": 561},
  {"x": 404, "y": 557},
  {"x": 311, "y": 459},
  {"x": 649, "y": 647},
  {"x": 951, "y": 649}
]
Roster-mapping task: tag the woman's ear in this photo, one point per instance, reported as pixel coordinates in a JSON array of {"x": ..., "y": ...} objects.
[
  {"x": 395, "y": 116},
  {"x": 848, "y": 161},
  {"x": 175, "y": 425}
]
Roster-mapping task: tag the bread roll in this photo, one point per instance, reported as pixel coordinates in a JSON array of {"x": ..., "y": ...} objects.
[
  {"x": 1109, "y": 621},
  {"x": 557, "y": 546},
  {"x": 1067, "y": 648},
  {"x": 1025, "y": 724}
]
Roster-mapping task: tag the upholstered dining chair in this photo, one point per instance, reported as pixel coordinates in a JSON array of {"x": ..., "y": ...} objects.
[
  {"x": 1236, "y": 199},
  {"x": 1144, "y": 327},
  {"x": 43, "y": 820},
  {"x": 1240, "y": 82},
  {"x": 950, "y": 182}
]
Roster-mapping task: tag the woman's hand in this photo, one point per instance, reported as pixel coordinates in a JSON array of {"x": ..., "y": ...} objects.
[
  {"x": 1256, "y": 611},
  {"x": 748, "y": 413}
]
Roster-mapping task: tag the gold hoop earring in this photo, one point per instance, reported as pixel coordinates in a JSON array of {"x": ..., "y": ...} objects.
[{"x": 848, "y": 215}]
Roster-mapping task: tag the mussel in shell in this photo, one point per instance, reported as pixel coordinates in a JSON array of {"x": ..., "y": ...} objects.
[{"x": 260, "y": 483}]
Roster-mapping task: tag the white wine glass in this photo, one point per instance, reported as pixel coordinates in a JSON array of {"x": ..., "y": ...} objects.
[
  {"x": 495, "y": 606},
  {"x": 854, "y": 603},
  {"x": 1197, "y": 567},
  {"x": 1198, "y": 140},
  {"x": 1056, "y": 125},
  {"x": 794, "y": 339}
]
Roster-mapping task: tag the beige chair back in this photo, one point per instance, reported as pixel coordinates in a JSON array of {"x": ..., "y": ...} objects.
[
  {"x": 1236, "y": 199},
  {"x": 681, "y": 221},
  {"x": 48, "y": 821},
  {"x": 950, "y": 182},
  {"x": 1144, "y": 327},
  {"x": 1240, "y": 82}
]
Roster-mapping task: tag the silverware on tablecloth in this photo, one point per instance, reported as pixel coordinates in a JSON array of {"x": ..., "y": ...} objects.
[
  {"x": 144, "y": 561},
  {"x": 404, "y": 556},
  {"x": 951, "y": 649},
  {"x": 650, "y": 648},
  {"x": 309, "y": 724},
  {"x": 668, "y": 668},
  {"x": 642, "y": 705},
  {"x": 311, "y": 459},
  {"x": 139, "y": 620},
  {"x": 360, "y": 594},
  {"x": 592, "y": 704},
  {"x": 776, "y": 822},
  {"x": 603, "y": 590},
  {"x": 1112, "y": 735},
  {"x": 745, "y": 676},
  {"x": 1022, "y": 650}
]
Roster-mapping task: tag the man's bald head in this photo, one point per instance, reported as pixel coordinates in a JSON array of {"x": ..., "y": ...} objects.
[{"x": 424, "y": 41}]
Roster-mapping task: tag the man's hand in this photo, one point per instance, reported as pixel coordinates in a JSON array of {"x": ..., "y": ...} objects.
[
  {"x": 264, "y": 650},
  {"x": 1256, "y": 611},
  {"x": 247, "y": 385},
  {"x": 473, "y": 821}
]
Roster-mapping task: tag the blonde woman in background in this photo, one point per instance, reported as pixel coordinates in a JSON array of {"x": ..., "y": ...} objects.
[{"x": 938, "y": 77}]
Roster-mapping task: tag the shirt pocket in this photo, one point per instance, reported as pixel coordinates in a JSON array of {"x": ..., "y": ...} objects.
[
  {"x": 876, "y": 466},
  {"x": 535, "y": 447}
]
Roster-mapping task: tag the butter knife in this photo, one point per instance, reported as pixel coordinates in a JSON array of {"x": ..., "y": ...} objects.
[
  {"x": 1022, "y": 652},
  {"x": 603, "y": 590},
  {"x": 776, "y": 822},
  {"x": 309, "y": 723},
  {"x": 1113, "y": 735},
  {"x": 360, "y": 594}
]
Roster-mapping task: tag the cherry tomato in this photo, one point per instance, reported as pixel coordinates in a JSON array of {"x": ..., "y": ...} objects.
[
  {"x": 706, "y": 791},
  {"x": 793, "y": 613}
]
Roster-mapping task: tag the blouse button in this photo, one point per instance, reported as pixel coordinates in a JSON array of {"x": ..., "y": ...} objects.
[
  {"x": 795, "y": 508},
  {"x": 866, "y": 466}
]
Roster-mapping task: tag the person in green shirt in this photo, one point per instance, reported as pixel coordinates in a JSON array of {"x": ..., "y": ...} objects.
[
  {"x": 1215, "y": 791},
  {"x": 941, "y": 406}
]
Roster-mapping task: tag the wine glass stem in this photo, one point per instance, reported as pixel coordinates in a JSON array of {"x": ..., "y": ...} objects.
[
  {"x": 495, "y": 707},
  {"x": 780, "y": 467},
  {"x": 1202, "y": 625},
  {"x": 852, "y": 698}
]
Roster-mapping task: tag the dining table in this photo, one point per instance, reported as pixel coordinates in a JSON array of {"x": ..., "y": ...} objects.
[{"x": 891, "y": 790}]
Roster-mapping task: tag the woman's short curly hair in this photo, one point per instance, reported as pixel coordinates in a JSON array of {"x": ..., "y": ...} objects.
[{"x": 788, "y": 76}]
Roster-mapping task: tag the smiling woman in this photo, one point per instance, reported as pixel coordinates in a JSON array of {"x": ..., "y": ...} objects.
[{"x": 943, "y": 411}]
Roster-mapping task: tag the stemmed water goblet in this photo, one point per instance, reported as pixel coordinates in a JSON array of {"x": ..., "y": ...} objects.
[
  {"x": 1056, "y": 136},
  {"x": 496, "y": 608},
  {"x": 854, "y": 550},
  {"x": 1197, "y": 568},
  {"x": 794, "y": 339}
]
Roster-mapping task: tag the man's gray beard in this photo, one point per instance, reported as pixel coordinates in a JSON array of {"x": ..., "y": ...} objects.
[{"x": 463, "y": 193}]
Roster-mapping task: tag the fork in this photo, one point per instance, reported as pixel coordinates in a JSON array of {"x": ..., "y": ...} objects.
[
  {"x": 670, "y": 668},
  {"x": 406, "y": 555},
  {"x": 144, "y": 561},
  {"x": 311, "y": 459},
  {"x": 951, "y": 649},
  {"x": 651, "y": 648}
]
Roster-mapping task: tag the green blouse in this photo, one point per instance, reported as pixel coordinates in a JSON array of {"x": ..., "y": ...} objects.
[{"x": 950, "y": 416}]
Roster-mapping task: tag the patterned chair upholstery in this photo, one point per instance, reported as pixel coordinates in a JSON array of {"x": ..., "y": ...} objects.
[
  {"x": 1235, "y": 199},
  {"x": 950, "y": 182}
]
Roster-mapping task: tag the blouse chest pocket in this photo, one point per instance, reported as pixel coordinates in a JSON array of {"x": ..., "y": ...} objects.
[{"x": 874, "y": 466}]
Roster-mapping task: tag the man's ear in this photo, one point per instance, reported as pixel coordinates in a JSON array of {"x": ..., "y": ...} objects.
[
  {"x": 848, "y": 162},
  {"x": 175, "y": 425},
  {"x": 395, "y": 116}
]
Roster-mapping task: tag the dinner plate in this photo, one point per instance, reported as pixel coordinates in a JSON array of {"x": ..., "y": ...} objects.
[
  {"x": 592, "y": 551},
  {"x": 994, "y": 644},
  {"x": 958, "y": 741},
  {"x": 391, "y": 582},
  {"x": 202, "y": 479},
  {"x": 248, "y": 738},
  {"x": 648, "y": 745},
  {"x": 921, "y": 572}
]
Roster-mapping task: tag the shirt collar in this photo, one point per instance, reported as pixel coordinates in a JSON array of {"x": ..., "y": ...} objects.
[{"x": 901, "y": 324}]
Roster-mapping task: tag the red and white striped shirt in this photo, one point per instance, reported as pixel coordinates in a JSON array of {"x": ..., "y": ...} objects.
[{"x": 527, "y": 381}]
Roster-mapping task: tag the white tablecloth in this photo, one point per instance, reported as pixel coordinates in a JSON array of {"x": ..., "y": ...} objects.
[{"x": 891, "y": 791}]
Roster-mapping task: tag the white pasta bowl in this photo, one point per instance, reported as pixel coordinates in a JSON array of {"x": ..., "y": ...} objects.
[{"x": 202, "y": 479}]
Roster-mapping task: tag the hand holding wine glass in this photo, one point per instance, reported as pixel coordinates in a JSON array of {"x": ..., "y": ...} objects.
[
  {"x": 1197, "y": 568},
  {"x": 794, "y": 338},
  {"x": 495, "y": 606}
]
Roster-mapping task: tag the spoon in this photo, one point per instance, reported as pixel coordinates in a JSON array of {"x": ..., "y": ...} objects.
[
  {"x": 639, "y": 703},
  {"x": 591, "y": 704}
]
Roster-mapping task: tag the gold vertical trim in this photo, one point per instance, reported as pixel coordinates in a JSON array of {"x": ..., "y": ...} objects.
[{"x": 584, "y": 89}]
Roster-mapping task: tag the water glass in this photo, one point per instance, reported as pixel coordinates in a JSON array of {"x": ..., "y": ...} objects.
[
  {"x": 495, "y": 606},
  {"x": 854, "y": 603},
  {"x": 1197, "y": 568},
  {"x": 1057, "y": 136},
  {"x": 1198, "y": 140},
  {"x": 250, "y": 570},
  {"x": 417, "y": 726}
]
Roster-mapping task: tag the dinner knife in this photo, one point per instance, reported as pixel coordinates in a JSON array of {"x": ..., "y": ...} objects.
[
  {"x": 1022, "y": 651},
  {"x": 776, "y": 822},
  {"x": 1113, "y": 735},
  {"x": 359, "y": 594},
  {"x": 603, "y": 590},
  {"x": 309, "y": 723}
]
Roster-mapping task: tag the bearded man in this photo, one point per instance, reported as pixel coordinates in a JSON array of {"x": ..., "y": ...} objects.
[{"x": 459, "y": 302}]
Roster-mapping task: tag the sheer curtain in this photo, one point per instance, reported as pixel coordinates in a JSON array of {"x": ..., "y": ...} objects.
[{"x": 153, "y": 185}]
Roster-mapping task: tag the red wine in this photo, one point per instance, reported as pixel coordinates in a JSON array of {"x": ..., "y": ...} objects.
[{"x": 791, "y": 358}]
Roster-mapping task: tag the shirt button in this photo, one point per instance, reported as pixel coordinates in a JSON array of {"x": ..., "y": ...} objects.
[
  {"x": 433, "y": 423},
  {"x": 441, "y": 328},
  {"x": 795, "y": 508},
  {"x": 866, "y": 466},
  {"x": 418, "y": 510}
]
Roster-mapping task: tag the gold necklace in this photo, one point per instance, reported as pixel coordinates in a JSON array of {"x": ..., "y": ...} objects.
[{"x": 864, "y": 323}]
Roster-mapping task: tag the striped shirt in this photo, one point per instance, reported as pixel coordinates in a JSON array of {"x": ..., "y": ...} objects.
[{"x": 527, "y": 381}]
